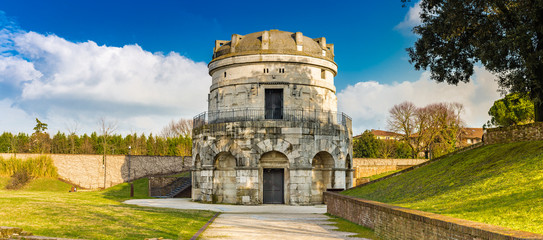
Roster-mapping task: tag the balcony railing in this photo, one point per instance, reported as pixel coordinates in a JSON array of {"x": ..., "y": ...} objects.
[{"x": 280, "y": 114}]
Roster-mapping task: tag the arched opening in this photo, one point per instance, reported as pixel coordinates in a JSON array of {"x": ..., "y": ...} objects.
[
  {"x": 274, "y": 177},
  {"x": 322, "y": 175},
  {"x": 224, "y": 178},
  {"x": 348, "y": 172}
]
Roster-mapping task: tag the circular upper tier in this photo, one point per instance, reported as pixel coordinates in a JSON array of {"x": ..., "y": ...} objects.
[{"x": 273, "y": 42}]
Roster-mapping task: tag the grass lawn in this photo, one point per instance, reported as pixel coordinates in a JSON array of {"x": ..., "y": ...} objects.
[
  {"x": 344, "y": 225},
  {"x": 45, "y": 207},
  {"x": 381, "y": 175},
  {"x": 499, "y": 184}
]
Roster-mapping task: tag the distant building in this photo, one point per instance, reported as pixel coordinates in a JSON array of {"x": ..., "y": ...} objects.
[
  {"x": 385, "y": 135},
  {"x": 470, "y": 136}
]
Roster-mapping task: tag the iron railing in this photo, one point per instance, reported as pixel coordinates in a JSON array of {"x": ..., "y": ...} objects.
[{"x": 281, "y": 114}]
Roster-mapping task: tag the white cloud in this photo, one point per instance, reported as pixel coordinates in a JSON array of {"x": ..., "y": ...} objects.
[
  {"x": 63, "y": 81},
  {"x": 14, "y": 70},
  {"x": 412, "y": 18},
  {"x": 368, "y": 102},
  {"x": 13, "y": 118}
]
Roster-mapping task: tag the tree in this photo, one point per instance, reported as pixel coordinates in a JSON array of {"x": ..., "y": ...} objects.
[
  {"x": 72, "y": 130},
  {"x": 40, "y": 126},
  {"x": 513, "y": 109},
  {"x": 504, "y": 36},
  {"x": 107, "y": 128},
  {"x": 426, "y": 127},
  {"x": 40, "y": 141},
  {"x": 181, "y": 128},
  {"x": 402, "y": 120},
  {"x": 366, "y": 146},
  {"x": 5, "y": 142},
  {"x": 386, "y": 148},
  {"x": 402, "y": 150}
]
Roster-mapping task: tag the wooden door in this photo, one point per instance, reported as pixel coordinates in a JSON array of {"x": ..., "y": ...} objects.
[{"x": 273, "y": 186}]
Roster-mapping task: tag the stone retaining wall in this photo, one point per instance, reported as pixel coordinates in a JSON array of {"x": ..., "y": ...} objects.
[
  {"x": 392, "y": 222},
  {"x": 365, "y": 167},
  {"x": 528, "y": 132},
  {"x": 93, "y": 171}
]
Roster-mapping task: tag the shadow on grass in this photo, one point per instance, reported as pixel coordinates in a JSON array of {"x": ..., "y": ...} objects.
[{"x": 121, "y": 192}]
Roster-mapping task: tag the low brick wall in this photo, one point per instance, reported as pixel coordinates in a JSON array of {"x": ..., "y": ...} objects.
[
  {"x": 392, "y": 222},
  {"x": 528, "y": 132},
  {"x": 92, "y": 172}
]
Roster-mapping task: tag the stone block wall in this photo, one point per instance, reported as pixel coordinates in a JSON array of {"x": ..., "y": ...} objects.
[
  {"x": 315, "y": 156},
  {"x": 528, "y": 132},
  {"x": 392, "y": 222},
  {"x": 365, "y": 167},
  {"x": 93, "y": 172}
]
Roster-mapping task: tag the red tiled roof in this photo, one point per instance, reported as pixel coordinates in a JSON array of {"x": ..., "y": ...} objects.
[
  {"x": 381, "y": 133},
  {"x": 472, "y": 133},
  {"x": 384, "y": 133}
]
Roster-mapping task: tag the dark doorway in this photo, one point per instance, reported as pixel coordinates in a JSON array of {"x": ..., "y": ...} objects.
[
  {"x": 274, "y": 103},
  {"x": 273, "y": 186}
]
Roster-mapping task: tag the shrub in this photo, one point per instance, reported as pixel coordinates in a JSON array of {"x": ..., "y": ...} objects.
[
  {"x": 18, "y": 180},
  {"x": 41, "y": 166}
]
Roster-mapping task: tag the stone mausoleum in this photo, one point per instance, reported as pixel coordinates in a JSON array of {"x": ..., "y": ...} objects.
[{"x": 272, "y": 133}]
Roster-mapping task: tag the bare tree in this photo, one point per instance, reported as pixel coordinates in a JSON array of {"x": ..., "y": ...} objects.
[
  {"x": 437, "y": 124},
  {"x": 72, "y": 130},
  {"x": 183, "y": 127},
  {"x": 402, "y": 120},
  {"x": 107, "y": 128}
]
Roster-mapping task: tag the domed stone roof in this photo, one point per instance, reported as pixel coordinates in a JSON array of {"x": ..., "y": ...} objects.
[{"x": 273, "y": 42}]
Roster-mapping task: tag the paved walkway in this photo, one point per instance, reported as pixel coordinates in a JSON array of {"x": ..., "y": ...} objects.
[{"x": 258, "y": 222}]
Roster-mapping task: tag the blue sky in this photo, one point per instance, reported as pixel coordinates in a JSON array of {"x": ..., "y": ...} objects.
[{"x": 102, "y": 50}]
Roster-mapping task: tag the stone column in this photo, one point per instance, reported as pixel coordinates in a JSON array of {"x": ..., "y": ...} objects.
[
  {"x": 206, "y": 183},
  {"x": 247, "y": 185},
  {"x": 339, "y": 178},
  {"x": 300, "y": 186}
]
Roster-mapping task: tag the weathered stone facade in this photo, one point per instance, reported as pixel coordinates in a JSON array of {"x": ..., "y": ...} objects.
[{"x": 272, "y": 133}]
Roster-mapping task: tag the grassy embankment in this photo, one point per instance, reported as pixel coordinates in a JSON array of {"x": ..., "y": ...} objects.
[
  {"x": 45, "y": 207},
  {"x": 499, "y": 184},
  {"x": 344, "y": 225},
  {"x": 382, "y": 175}
]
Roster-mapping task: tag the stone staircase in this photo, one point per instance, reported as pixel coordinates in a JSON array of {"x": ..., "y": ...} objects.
[{"x": 178, "y": 186}]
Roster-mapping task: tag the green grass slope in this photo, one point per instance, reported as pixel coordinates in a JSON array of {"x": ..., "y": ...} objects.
[
  {"x": 499, "y": 184},
  {"x": 45, "y": 207}
]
